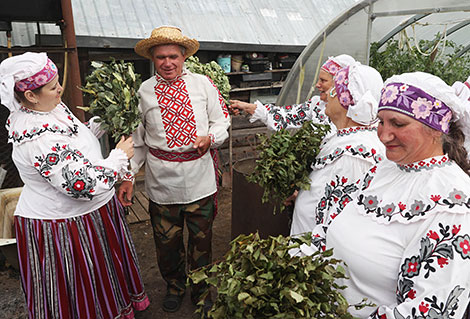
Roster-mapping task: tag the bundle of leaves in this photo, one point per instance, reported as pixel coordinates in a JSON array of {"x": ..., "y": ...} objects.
[
  {"x": 112, "y": 89},
  {"x": 449, "y": 65},
  {"x": 260, "y": 279},
  {"x": 212, "y": 70},
  {"x": 284, "y": 161}
]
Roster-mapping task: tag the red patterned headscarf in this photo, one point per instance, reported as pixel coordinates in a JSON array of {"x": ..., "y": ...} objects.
[{"x": 39, "y": 79}]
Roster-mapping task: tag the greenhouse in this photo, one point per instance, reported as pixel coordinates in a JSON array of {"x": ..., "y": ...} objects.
[
  {"x": 366, "y": 22},
  {"x": 212, "y": 159}
]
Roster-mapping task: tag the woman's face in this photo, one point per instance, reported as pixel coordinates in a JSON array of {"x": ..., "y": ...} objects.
[
  {"x": 406, "y": 140},
  {"x": 48, "y": 97},
  {"x": 333, "y": 108},
  {"x": 324, "y": 83}
]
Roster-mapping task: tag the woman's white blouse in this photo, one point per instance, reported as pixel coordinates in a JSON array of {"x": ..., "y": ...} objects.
[
  {"x": 406, "y": 241},
  {"x": 60, "y": 162},
  {"x": 343, "y": 159}
]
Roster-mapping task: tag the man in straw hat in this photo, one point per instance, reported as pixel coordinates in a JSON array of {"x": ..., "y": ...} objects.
[{"x": 183, "y": 116}]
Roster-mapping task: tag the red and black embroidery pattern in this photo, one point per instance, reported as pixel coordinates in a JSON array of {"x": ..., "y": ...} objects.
[
  {"x": 430, "y": 307},
  {"x": 77, "y": 182},
  {"x": 418, "y": 208},
  {"x": 337, "y": 191},
  {"x": 437, "y": 249},
  {"x": 177, "y": 112},
  {"x": 28, "y": 134},
  {"x": 295, "y": 114},
  {"x": 358, "y": 150}
]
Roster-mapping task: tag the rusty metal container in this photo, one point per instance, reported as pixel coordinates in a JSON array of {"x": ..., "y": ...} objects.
[{"x": 248, "y": 213}]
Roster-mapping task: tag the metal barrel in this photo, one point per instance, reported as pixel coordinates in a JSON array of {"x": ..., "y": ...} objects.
[{"x": 248, "y": 213}]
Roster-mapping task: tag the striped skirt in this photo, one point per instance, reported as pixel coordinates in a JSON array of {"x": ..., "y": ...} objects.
[{"x": 80, "y": 267}]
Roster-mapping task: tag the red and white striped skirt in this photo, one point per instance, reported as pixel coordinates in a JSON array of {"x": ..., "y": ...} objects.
[{"x": 80, "y": 267}]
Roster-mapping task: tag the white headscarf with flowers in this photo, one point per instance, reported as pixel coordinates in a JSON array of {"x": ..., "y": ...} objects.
[
  {"x": 364, "y": 84},
  {"x": 438, "y": 89},
  {"x": 17, "y": 68}
]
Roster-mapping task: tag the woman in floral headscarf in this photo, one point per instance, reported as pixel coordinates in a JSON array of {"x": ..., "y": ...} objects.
[
  {"x": 293, "y": 116},
  {"x": 406, "y": 235},
  {"x": 346, "y": 155},
  {"x": 76, "y": 256}
]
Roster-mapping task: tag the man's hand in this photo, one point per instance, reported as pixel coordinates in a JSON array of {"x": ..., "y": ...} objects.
[
  {"x": 125, "y": 193},
  {"x": 202, "y": 143}
]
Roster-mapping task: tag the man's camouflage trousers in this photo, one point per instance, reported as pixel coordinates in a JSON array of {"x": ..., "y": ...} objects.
[{"x": 168, "y": 224}]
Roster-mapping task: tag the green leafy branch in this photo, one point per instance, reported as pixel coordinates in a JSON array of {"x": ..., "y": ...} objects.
[
  {"x": 212, "y": 70},
  {"x": 260, "y": 279},
  {"x": 112, "y": 89},
  {"x": 284, "y": 161}
]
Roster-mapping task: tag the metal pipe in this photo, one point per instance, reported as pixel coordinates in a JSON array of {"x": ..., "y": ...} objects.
[
  {"x": 421, "y": 11},
  {"x": 402, "y": 26},
  {"x": 76, "y": 97},
  {"x": 317, "y": 40},
  {"x": 370, "y": 19}
]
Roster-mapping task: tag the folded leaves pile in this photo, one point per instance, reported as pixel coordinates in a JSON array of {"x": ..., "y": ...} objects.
[{"x": 258, "y": 278}]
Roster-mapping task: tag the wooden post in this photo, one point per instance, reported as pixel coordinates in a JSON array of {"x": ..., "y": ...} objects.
[{"x": 73, "y": 76}]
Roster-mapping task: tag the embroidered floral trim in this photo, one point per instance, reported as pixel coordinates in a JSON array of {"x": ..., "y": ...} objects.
[
  {"x": 212, "y": 137},
  {"x": 437, "y": 250},
  {"x": 78, "y": 183},
  {"x": 337, "y": 191},
  {"x": 355, "y": 129},
  {"x": 427, "y": 164},
  {"x": 128, "y": 176},
  {"x": 341, "y": 86},
  {"x": 414, "y": 102},
  {"x": 295, "y": 115},
  {"x": 33, "y": 132},
  {"x": 430, "y": 307},
  {"x": 359, "y": 150},
  {"x": 418, "y": 208}
]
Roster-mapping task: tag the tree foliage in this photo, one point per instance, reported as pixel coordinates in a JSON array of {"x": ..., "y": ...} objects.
[
  {"x": 213, "y": 71},
  {"x": 397, "y": 59}
]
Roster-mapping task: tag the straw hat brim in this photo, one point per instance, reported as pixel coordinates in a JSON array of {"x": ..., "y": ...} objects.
[{"x": 143, "y": 47}]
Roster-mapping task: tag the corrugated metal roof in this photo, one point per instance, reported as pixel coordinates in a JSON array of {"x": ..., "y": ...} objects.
[{"x": 276, "y": 22}]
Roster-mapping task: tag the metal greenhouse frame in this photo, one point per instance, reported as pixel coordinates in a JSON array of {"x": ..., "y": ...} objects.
[{"x": 369, "y": 21}]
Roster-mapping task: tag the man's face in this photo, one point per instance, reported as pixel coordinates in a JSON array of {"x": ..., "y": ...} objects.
[{"x": 168, "y": 60}]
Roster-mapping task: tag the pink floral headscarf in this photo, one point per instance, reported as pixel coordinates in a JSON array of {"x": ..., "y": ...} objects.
[
  {"x": 358, "y": 89},
  {"x": 36, "y": 68},
  {"x": 334, "y": 64},
  {"x": 39, "y": 79}
]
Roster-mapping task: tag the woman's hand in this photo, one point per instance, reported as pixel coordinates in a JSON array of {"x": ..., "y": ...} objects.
[
  {"x": 125, "y": 193},
  {"x": 126, "y": 145},
  {"x": 236, "y": 106},
  {"x": 291, "y": 199}
]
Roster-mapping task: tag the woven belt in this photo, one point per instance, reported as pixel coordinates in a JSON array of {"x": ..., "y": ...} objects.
[
  {"x": 175, "y": 156},
  {"x": 190, "y": 156}
]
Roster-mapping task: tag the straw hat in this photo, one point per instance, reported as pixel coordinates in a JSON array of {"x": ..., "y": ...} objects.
[{"x": 166, "y": 35}]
